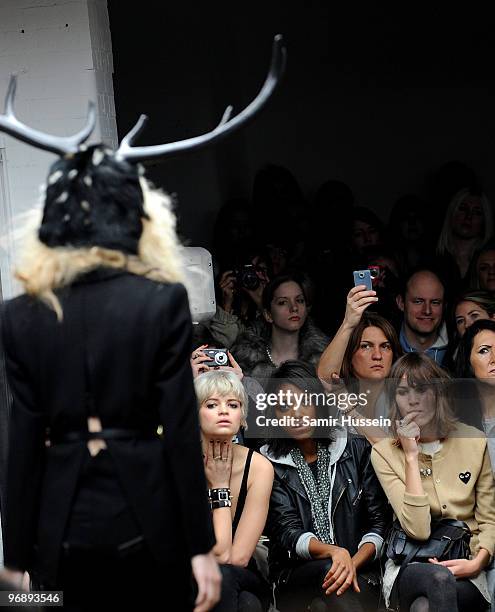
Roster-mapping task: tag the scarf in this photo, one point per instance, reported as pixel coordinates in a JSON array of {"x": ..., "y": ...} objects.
[{"x": 318, "y": 490}]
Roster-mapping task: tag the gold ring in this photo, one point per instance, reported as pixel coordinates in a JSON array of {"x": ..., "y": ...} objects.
[{"x": 217, "y": 458}]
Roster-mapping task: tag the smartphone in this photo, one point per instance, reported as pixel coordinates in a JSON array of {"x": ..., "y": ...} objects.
[{"x": 363, "y": 277}]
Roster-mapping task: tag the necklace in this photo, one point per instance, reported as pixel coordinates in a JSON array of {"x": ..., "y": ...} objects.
[{"x": 269, "y": 355}]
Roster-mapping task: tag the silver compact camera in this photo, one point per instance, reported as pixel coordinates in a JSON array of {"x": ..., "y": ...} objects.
[{"x": 218, "y": 357}]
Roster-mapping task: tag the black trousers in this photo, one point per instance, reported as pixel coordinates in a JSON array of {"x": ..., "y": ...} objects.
[
  {"x": 304, "y": 588},
  {"x": 94, "y": 581},
  {"x": 423, "y": 587},
  {"x": 243, "y": 590}
]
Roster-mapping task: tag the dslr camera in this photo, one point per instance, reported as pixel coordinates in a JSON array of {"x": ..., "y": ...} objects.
[
  {"x": 218, "y": 357},
  {"x": 246, "y": 277}
]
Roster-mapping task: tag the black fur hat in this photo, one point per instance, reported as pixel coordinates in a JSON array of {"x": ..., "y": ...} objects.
[{"x": 93, "y": 199}]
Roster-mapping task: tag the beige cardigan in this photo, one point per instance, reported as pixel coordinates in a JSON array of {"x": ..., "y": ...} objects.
[{"x": 461, "y": 486}]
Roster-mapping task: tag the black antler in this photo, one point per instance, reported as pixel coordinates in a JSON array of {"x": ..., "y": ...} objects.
[
  {"x": 226, "y": 125},
  {"x": 56, "y": 144}
]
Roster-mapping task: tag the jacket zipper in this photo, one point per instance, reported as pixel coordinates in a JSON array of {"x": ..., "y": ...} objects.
[
  {"x": 335, "y": 508},
  {"x": 358, "y": 497}
]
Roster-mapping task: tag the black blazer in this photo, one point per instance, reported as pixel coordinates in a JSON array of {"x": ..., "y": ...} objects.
[{"x": 123, "y": 347}]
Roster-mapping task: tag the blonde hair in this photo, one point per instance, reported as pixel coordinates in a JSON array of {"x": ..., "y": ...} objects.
[
  {"x": 445, "y": 241},
  {"x": 420, "y": 370},
  {"x": 221, "y": 383},
  {"x": 42, "y": 269}
]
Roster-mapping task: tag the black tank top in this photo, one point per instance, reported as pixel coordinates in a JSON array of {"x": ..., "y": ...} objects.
[{"x": 242, "y": 492}]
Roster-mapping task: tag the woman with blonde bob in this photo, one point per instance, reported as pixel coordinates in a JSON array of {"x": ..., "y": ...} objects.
[
  {"x": 239, "y": 487},
  {"x": 434, "y": 467}
]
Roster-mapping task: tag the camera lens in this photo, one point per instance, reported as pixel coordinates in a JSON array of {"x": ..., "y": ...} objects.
[
  {"x": 250, "y": 280},
  {"x": 361, "y": 275},
  {"x": 221, "y": 359}
]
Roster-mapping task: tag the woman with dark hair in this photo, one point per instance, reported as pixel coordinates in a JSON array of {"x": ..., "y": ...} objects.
[
  {"x": 328, "y": 515},
  {"x": 476, "y": 360},
  {"x": 434, "y": 467},
  {"x": 363, "y": 349},
  {"x": 286, "y": 333}
]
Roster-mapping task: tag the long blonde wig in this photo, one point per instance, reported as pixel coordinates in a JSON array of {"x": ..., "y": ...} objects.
[{"x": 42, "y": 269}]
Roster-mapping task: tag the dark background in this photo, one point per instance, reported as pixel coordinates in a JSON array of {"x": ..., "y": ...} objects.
[{"x": 374, "y": 98}]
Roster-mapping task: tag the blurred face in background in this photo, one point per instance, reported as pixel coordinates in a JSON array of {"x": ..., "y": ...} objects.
[
  {"x": 485, "y": 269},
  {"x": 466, "y": 313},
  {"x": 411, "y": 227},
  {"x": 468, "y": 221},
  {"x": 364, "y": 235}
]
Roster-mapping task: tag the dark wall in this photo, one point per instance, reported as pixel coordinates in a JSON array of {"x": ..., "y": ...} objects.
[{"x": 376, "y": 99}]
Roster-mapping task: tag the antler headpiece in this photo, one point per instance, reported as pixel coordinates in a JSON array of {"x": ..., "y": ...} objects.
[{"x": 93, "y": 194}]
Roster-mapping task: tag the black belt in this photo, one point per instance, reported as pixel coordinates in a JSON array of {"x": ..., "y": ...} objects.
[{"x": 104, "y": 434}]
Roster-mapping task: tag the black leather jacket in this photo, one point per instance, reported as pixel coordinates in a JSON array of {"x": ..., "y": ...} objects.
[{"x": 359, "y": 507}]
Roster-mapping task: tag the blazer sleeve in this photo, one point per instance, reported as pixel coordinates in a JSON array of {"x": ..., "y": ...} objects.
[
  {"x": 25, "y": 459},
  {"x": 179, "y": 413}
]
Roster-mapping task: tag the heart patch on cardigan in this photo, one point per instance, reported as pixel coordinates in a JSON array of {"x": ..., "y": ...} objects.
[{"x": 465, "y": 477}]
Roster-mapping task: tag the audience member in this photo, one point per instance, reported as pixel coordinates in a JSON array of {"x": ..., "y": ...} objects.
[
  {"x": 362, "y": 351},
  {"x": 240, "y": 299},
  {"x": 444, "y": 183},
  {"x": 435, "y": 468},
  {"x": 233, "y": 232},
  {"x": 330, "y": 257},
  {"x": 410, "y": 232},
  {"x": 281, "y": 215},
  {"x": 367, "y": 230},
  {"x": 385, "y": 273},
  {"x": 483, "y": 273},
  {"x": 287, "y": 332},
  {"x": 240, "y": 482},
  {"x": 476, "y": 359},
  {"x": 328, "y": 514},
  {"x": 422, "y": 301},
  {"x": 467, "y": 227},
  {"x": 469, "y": 307}
]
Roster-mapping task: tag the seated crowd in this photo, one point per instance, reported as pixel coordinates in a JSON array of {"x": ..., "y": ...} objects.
[{"x": 304, "y": 514}]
